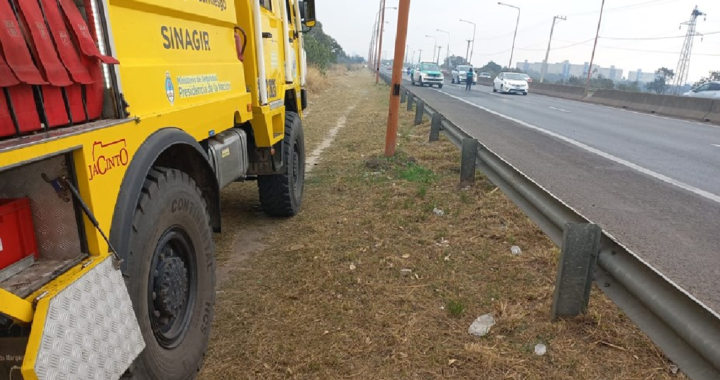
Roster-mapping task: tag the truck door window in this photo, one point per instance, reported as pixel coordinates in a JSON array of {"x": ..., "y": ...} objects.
[{"x": 267, "y": 4}]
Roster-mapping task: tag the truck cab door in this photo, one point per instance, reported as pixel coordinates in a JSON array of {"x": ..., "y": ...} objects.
[{"x": 272, "y": 37}]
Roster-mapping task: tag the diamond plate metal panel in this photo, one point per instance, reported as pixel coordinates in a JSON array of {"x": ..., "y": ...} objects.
[
  {"x": 90, "y": 331},
  {"x": 55, "y": 223}
]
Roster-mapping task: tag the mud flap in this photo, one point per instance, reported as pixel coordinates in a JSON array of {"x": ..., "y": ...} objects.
[{"x": 86, "y": 329}]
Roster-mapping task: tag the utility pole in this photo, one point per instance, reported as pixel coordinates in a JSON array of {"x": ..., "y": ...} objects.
[
  {"x": 434, "y": 47},
  {"x": 420, "y": 57},
  {"x": 377, "y": 35},
  {"x": 517, "y": 23},
  {"x": 468, "y": 57},
  {"x": 380, "y": 39},
  {"x": 467, "y": 53},
  {"x": 394, "y": 111},
  {"x": 683, "y": 67},
  {"x": 547, "y": 53},
  {"x": 437, "y": 62},
  {"x": 447, "y": 51},
  {"x": 407, "y": 50},
  {"x": 592, "y": 57}
]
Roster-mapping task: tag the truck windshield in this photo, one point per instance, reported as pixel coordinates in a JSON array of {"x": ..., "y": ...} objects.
[
  {"x": 463, "y": 68},
  {"x": 429, "y": 67}
]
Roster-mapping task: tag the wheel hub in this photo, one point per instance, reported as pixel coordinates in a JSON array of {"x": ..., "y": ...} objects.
[{"x": 171, "y": 288}]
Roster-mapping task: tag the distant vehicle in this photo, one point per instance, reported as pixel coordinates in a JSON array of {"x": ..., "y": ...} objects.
[
  {"x": 510, "y": 83},
  {"x": 527, "y": 78},
  {"x": 459, "y": 75},
  {"x": 707, "y": 90},
  {"x": 484, "y": 75},
  {"x": 428, "y": 73}
]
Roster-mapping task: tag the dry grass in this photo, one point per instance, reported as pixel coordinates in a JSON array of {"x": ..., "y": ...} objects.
[
  {"x": 324, "y": 295},
  {"x": 316, "y": 81}
]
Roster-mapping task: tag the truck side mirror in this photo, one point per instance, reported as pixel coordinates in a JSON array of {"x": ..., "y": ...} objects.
[{"x": 307, "y": 13}]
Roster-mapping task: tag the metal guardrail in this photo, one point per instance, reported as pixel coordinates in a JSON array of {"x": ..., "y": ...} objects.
[{"x": 686, "y": 331}]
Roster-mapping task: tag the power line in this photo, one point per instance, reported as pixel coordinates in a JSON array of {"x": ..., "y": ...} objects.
[
  {"x": 625, "y": 7},
  {"x": 652, "y": 38},
  {"x": 560, "y": 47}
]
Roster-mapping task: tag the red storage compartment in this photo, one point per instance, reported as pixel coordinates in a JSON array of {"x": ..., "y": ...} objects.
[{"x": 17, "y": 234}]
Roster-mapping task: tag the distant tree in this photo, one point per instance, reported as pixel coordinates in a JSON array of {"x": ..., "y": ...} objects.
[
  {"x": 454, "y": 60},
  {"x": 662, "y": 76},
  {"x": 602, "y": 83},
  {"x": 322, "y": 50},
  {"x": 575, "y": 81},
  {"x": 629, "y": 86},
  {"x": 491, "y": 67},
  {"x": 714, "y": 76}
]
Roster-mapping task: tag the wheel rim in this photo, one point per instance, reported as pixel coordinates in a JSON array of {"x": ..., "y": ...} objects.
[
  {"x": 172, "y": 287},
  {"x": 296, "y": 171}
]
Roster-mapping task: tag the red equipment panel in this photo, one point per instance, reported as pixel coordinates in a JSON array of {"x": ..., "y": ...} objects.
[{"x": 17, "y": 234}]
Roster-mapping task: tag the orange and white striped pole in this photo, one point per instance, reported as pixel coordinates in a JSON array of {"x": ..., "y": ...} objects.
[{"x": 394, "y": 112}]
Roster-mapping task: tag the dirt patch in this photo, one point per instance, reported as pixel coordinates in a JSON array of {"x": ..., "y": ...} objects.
[{"x": 389, "y": 263}]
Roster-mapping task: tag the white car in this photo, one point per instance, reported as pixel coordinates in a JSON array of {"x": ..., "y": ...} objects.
[
  {"x": 428, "y": 73},
  {"x": 459, "y": 75},
  {"x": 510, "y": 83},
  {"x": 708, "y": 90}
]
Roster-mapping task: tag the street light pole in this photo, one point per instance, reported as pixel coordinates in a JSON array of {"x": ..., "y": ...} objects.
[
  {"x": 592, "y": 57},
  {"x": 547, "y": 53},
  {"x": 434, "y": 47},
  {"x": 420, "y": 57},
  {"x": 472, "y": 51},
  {"x": 381, "y": 29},
  {"x": 407, "y": 51},
  {"x": 517, "y": 23},
  {"x": 437, "y": 61},
  {"x": 447, "y": 51}
]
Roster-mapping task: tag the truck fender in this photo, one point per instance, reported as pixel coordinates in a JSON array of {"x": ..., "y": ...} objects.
[{"x": 169, "y": 147}]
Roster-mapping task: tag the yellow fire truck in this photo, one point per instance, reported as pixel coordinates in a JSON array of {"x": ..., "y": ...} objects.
[{"x": 120, "y": 121}]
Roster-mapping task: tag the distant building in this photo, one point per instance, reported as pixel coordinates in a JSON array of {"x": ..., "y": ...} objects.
[
  {"x": 641, "y": 77},
  {"x": 567, "y": 70}
]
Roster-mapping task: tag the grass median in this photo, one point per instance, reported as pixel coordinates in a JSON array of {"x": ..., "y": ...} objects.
[{"x": 389, "y": 263}]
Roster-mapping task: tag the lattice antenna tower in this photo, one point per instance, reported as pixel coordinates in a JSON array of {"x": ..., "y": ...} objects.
[{"x": 683, "y": 66}]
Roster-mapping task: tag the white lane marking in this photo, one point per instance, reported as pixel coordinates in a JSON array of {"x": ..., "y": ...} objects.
[
  {"x": 559, "y": 109},
  {"x": 716, "y": 145},
  {"x": 666, "y": 179},
  {"x": 314, "y": 157}
]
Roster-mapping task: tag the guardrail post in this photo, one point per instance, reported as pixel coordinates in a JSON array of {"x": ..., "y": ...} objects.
[
  {"x": 410, "y": 101},
  {"x": 435, "y": 127},
  {"x": 578, "y": 259},
  {"x": 403, "y": 96},
  {"x": 419, "y": 110},
  {"x": 467, "y": 162}
]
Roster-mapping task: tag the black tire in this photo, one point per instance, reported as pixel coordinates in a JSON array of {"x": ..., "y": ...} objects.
[
  {"x": 421, "y": 82},
  {"x": 281, "y": 194},
  {"x": 171, "y": 250},
  {"x": 440, "y": 86},
  {"x": 494, "y": 90}
]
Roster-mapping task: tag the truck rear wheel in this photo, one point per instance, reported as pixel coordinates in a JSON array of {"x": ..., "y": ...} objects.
[
  {"x": 281, "y": 194},
  {"x": 171, "y": 276}
]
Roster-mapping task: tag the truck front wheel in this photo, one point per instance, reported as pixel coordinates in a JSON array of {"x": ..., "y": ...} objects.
[
  {"x": 281, "y": 194},
  {"x": 171, "y": 276}
]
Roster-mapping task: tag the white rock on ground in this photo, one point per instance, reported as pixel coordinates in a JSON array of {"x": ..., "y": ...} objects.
[
  {"x": 481, "y": 326},
  {"x": 540, "y": 349},
  {"x": 438, "y": 212},
  {"x": 515, "y": 250}
]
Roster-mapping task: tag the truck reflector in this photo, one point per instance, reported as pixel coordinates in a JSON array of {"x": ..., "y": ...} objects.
[{"x": 88, "y": 330}]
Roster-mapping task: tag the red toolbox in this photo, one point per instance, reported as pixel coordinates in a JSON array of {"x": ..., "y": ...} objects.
[{"x": 17, "y": 234}]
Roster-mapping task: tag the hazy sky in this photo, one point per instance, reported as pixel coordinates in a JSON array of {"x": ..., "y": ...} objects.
[{"x": 351, "y": 23}]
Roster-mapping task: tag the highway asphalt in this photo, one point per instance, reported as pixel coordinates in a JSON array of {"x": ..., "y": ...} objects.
[{"x": 652, "y": 182}]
